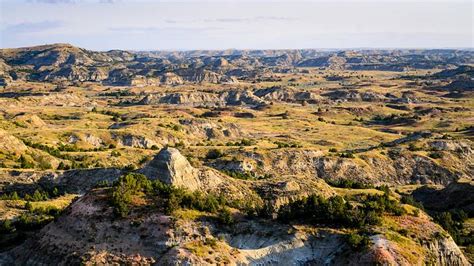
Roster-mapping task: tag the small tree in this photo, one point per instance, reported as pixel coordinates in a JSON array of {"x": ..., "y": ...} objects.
[
  {"x": 14, "y": 196},
  {"x": 25, "y": 163},
  {"x": 126, "y": 187},
  {"x": 28, "y": 206},
  {"x": 225, "y": 216},
  {"x": 6, "y": 227},
  {"x": 61, "y": 166}
]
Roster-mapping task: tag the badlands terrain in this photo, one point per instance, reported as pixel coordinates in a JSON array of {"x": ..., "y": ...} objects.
[{"x": 268, "y": 157}]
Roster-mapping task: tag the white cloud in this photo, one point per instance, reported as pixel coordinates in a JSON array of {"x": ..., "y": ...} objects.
[
  {"x": 33, "y": 27},
  {"x": 192, "y": 24}
]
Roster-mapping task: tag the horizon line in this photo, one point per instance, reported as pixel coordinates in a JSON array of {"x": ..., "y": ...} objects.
[{"x": 250, "y": 49}]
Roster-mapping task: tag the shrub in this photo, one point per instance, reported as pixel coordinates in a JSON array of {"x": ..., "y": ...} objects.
[
  {"x": 416, "y": 212},
  {"x": 452, "y": 222},
  {"x": 287, "y": 145},
  {"x": 336, "y": 211},
  {"x": 247, "y": 142},
  {"x": 408, "y": 199},
  {"x": 12, "y": 196},
  {"x": 346, "y": 183},
  {"x": 246, "y": 175},
  {"x": 38, "y": 195},
  {"x": 44, "y": 165},
  {"x": 357, "y": 241},
  {"x": 31, "y": 221},
  {"x": 413, "y": 147},
  {"x": 176, "y": 198},
  {"x": 224, "y": 216},
  {"x": 179, "y": 145},
  {"x": 175, "y": 127},
  {"x": 48, "y": 210},
  {"x": 315, "y": 209},
  {"x": 384, "y": 188},
  {"x": 68, "y": 148},
  {"x": 436, "y": 155},
  {"x": 382, "y": 203},
  {"x": 214, "y": 154},
  {"x": 199, "y": 201},
  {"x": 62, "y": 166},
  {"x": 346, "y": 155},
  {"x": 56, "y": 192},
  {"x": 126, "y": 187},
  {"x": 129, "y": 167},
  {"x": 403, "y": 232},
  {"x": 169, "y": 198},
  {"x": 143, "y": 160},
  {"x": 25, "y": 163},
  {"x": 51, "y": 150},
  {"x": 102, "y": 183},
  {"x": 211, "y": 242},
  {"x": 6, "y": 227},
  {"x": 28, "y": 206}
]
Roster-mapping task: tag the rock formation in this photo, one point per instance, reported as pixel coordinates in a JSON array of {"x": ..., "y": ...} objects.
[{"x": 170, "y": 167}]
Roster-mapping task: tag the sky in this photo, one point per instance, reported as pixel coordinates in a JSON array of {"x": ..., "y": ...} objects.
[{"x": 236, "y": 24}]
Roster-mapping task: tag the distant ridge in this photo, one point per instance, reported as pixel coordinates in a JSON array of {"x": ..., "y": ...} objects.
[{"x": 64, "y": 62}]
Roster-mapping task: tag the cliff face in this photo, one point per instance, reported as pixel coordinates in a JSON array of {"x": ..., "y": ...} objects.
[
  {"x": 435, "y": 251},
  {"x": 443, "y": 251},
  {"x": 403, "y": 169},
  {"x": 395, "y": 168}
]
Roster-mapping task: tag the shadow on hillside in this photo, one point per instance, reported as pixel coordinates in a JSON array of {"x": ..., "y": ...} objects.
[
  {"x": 76, "y": 181},
  {"x": 457, "y": 195},
  {"x": 20, "y": 94}
]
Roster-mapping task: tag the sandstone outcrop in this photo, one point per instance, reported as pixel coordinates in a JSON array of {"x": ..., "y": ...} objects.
[{"x": 170, "y": 167}]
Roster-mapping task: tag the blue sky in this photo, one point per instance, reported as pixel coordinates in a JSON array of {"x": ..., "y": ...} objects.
[{"x": 264, "y": 24}]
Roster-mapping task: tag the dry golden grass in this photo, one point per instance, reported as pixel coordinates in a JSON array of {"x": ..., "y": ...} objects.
[
  {"x": 59, "y": 202},
  {"x": 339, "y": 130},
  {"x": 10, "y": 209}
]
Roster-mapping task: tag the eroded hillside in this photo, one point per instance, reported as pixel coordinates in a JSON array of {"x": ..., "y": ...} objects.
[{"x": 376, "y": 133}]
